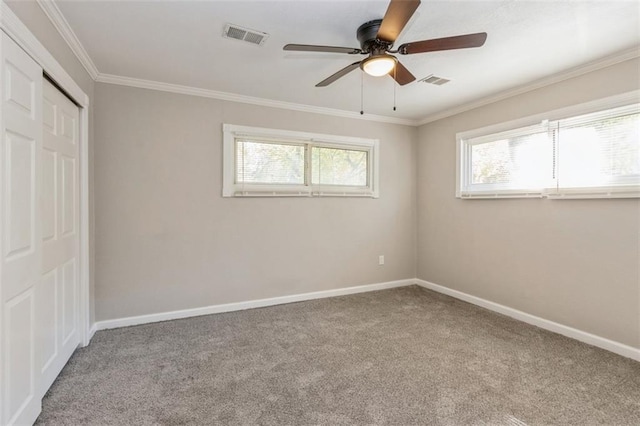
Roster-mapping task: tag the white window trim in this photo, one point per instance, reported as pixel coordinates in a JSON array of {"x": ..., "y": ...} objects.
[
  {"x": 231, "y": 189},
  {"x": 542, "y": 120}
]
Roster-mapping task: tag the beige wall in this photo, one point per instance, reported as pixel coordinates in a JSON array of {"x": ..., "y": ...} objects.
[
  {"x": 35, "y": 19},
  {"x": 167, "y": 240},
  {"x": 576, "y": 262}
]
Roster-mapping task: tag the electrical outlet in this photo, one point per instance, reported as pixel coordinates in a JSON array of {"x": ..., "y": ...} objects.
[{"x": 381, "y": 259}]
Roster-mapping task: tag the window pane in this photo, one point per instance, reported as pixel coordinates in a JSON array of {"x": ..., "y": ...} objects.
[
  {"x": 519, "y": 162},
  {"x": 270, "y": 163},
  {"x": 331, "y": 166},
  {"x": 595, "y": 153}
]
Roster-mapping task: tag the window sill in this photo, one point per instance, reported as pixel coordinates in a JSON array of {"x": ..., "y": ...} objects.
[
  {"x": 570, "y": 194},
  {"x": 590, "y": 193},
  {"x": 312, "y": 194}
]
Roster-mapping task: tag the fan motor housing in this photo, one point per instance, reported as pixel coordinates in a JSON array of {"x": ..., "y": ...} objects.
[{"x": 367, "y": 35}]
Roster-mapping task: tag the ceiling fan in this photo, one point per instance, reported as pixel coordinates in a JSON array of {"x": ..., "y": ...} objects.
[{"x": 376, "y": 40}]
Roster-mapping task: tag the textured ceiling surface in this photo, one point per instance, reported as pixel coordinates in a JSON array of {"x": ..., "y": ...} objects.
[{"x": 180, "y": 42}]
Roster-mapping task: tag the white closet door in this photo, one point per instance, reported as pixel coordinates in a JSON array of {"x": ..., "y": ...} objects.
[
  {"x": 57, "y": 296},
  {"x": 21, "y": 238}
]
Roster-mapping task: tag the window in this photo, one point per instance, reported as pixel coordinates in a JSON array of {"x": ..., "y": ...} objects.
[
  {"x": 588, "y": 151},
  {"x": 269, "y": 162}
]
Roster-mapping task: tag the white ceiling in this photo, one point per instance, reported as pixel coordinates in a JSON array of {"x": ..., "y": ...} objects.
[{"x": 180, "y": 42}]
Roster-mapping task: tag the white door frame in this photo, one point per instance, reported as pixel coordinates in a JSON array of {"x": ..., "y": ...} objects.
[{"x": 14, "y": 28}]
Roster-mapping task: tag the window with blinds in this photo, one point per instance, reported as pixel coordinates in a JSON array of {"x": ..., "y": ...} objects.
[
  {"x": 339, "y": 166},
  {"x": 514, "y": 160},
  {"x": 269, "y": 162},
  {"x": 588, "y": 155},
  {"x": 599, "y": 150}
]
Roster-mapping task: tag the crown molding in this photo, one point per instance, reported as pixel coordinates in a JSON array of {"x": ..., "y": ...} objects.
[
  {"x": 232, "y": 97},
  {"x": 607, "y": 61},
  {"x": 50, "y": 8}
]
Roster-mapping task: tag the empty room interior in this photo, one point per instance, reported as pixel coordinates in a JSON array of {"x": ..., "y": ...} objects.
[{"x": 320, "y": 212}]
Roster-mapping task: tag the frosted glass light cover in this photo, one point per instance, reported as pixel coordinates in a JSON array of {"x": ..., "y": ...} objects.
[{"x": 378, "y": 65}]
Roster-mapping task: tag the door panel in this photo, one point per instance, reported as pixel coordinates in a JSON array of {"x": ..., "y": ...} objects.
[
  {"x": 49, "y": 116},
  {"x": 69, "y": 126},
  {"x": 20, "y": 341},
  {"x": 20, "y": 177},
  {"x": 68, "y": 195},
  {"x": 21, "y": 263},
  {"x": 20, "y": 87},
  {"x": 49, "y": 195},
  {"x": 69, "y": 284},
  {"x": 46, "y": 316}
]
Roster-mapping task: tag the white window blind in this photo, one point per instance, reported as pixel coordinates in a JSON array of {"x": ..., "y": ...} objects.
[
  {"x": 269, "y": 162},
  {"x": 515, "y": 160},
  {"x": 582, "y": 155},
  {"x": 600, "y": 150}
]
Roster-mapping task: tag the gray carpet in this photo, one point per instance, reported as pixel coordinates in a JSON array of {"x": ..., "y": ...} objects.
[{"x": 405, "y": 356}]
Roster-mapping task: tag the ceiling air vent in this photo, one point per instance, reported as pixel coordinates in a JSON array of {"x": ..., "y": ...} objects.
[
  {"x": 433, "y": 79},
  {"x": 244, "y": 34}
]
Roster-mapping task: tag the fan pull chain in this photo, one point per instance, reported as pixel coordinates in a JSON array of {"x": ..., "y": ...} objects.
[
  {"x": 395, "y": 75},
  {"x": 361, "y": 93}
]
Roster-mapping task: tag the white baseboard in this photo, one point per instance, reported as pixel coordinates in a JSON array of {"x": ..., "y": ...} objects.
[
  {"x": 582, "y": 336},
  {"x": 239, "y": 306},
  {"x": 93, "y": 330}
]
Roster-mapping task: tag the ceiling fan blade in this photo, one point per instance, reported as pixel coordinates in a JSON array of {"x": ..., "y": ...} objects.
[
  {"x": 314, "y": 48},
  {"x": 446, "y": 43},
  {"x": 398, "y": 14},
  {"x": 344, "y": 71},
  {"x": 402, "y": 75}
]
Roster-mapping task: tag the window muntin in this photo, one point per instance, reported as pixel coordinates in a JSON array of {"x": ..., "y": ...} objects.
[
  {"x": 269, "y": 162},
  {"x": 590, "y": 155}
]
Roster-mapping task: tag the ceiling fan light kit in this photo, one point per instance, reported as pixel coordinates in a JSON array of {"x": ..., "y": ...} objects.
[
  {"x": 376, "y": 40},
  {"x": 378, "y": 65}
]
